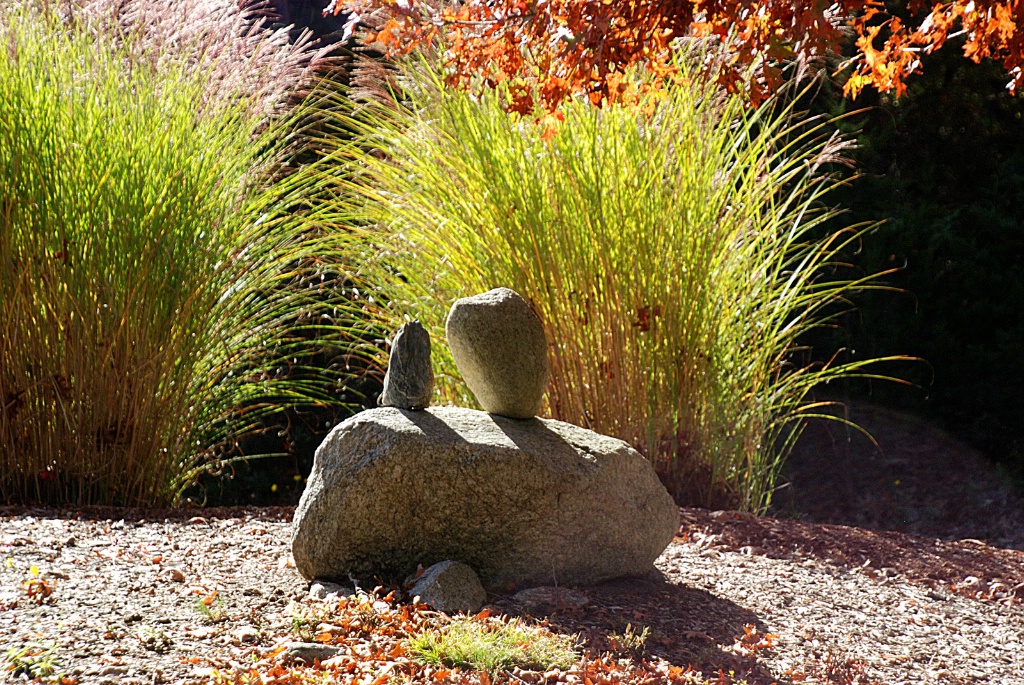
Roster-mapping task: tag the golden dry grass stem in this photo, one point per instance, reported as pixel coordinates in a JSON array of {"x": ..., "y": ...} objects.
[
  {"x": 158, "y": 289},
  {"x": 673, "y": 251}
]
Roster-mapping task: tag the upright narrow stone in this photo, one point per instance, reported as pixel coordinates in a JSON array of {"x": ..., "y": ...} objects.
[
  {"x": 499, "y": 346},
  {"x": 409, "y": 382}
]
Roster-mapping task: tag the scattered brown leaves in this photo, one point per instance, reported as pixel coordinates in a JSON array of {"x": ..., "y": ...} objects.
[
  {"x": 752, "y": 641},
  {"x": 37, "y": 589},
  {"x": 833, "y": 669},
  {"x": 372, "y": 632}
]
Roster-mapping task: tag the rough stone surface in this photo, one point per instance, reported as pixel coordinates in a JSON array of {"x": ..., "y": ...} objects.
[
  {"x": 409, "y": 382},
  {"x": 523, "y": 503},
  {"x": 499, "y": 347},
  {"x": 451, "y": 587}
]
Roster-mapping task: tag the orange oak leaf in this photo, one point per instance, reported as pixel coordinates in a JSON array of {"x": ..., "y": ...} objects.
[{"x": 557, "y": 49}]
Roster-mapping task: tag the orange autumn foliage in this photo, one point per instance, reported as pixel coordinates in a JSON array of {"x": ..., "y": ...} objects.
[{"x": 547, "y": 50}]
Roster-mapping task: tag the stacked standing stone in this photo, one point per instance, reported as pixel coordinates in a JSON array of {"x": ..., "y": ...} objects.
[
  {"x": 499, "y": 347},
  {"x": 409, "y": 382},
  {"x": 520, "y": 503}
]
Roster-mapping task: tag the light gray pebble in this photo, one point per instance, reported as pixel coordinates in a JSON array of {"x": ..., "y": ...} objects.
[{"x": 309, "y": 652}]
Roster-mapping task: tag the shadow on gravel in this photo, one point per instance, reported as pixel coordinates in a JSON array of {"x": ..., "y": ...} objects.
[{"x": 685, "y": 626}]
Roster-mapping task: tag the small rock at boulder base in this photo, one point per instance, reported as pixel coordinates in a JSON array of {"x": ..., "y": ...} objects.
[
  {"x": 547, "y": 597},
  {"x": 245, "y": 634},
  {"x": 451, "y": 587},
  {"x": 409, "y": 381},
  {"x": 523, "y": 503},
  {"x": 308, "y": 652},
  {"x": 498, "y": 345},
  {"x": 328, "y": 591}
]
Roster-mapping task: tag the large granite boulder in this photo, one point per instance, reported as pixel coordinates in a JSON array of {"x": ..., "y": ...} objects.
[
  {"x": 524, "y": 503},
  {"x": 499, "y": 347}
]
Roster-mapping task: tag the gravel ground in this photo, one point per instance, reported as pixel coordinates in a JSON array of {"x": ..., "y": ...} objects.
[
  {"x": 127, "y": 597},
  {"x": 155, "y": 600},
  {"x": 900, "y": 632}
]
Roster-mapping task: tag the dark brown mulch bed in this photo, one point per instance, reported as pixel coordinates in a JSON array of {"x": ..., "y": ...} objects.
[
  {"x": 914, "y": 478},
  {"x": 135, "y": 514},
  {"x": 968, "y": 567}
]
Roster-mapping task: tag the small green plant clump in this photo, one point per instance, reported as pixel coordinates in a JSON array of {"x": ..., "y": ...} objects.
[
  {"x": 669, "y": 247},
  {"x": 631, "y": 640},
  {"x": 494, "y": 645},
  {"x": 153, "y": 639},
  {"x": 158, "y": 288},
  {"x": 211, "y": 608},
  {"x": 37, "y": 662}
]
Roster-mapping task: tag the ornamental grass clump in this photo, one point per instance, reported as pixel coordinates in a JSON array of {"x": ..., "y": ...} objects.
[
  {"x": 240, "y": 53},
  {"x": 144, "y": 247},
  {"x": 671, "y": 249}
]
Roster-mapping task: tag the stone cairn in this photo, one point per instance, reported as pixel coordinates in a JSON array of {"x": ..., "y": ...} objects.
[{"x": 496, "y": 500}]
